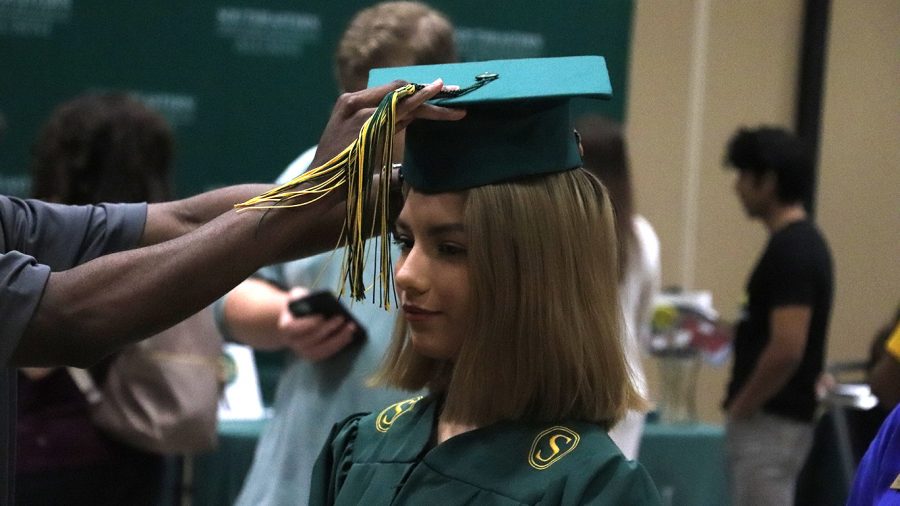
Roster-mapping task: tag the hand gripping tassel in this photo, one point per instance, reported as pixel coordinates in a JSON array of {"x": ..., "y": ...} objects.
[{"x": 354, "y": 166}]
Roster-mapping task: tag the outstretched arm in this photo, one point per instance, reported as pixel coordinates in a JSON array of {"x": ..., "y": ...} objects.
[
  {"x": 90, "y": 310},
  {"x": 168, "y": 220}
]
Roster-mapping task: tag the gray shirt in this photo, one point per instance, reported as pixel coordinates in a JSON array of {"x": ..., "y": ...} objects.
[{"x": 35, "y": 239}]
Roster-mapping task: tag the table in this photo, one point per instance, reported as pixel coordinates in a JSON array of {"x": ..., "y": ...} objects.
[
  {"x": 218, "y": 476},
  {"x": 686, "y": 461}
]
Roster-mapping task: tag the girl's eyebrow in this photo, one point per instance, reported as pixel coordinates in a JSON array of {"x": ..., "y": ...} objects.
[
  {"x": 445, "y": 228},
  {"x": 433, "y": 230},
  {"x": 400, "y": 225}
]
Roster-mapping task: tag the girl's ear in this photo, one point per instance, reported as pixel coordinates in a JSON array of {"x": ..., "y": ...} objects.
[{"x": 578, "y": 141}]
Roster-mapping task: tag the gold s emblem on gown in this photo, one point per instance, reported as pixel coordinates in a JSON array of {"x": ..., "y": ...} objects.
[
  {"x": 389, "y": 414},
  {"x": 552, "y": 445}
]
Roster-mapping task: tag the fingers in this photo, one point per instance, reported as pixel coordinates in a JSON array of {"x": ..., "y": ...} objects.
[
  {"x": 314, "y": 338},
  {"x": 416, "y": 106},
  {"x": 370, "y": 97},
  {"x": 347, "y": 116},
  {"x": 352, "y": 109},
  {"x": 428, "y": 111},
  {"x": 328, "y": 346},
  {"x": 420, "y": 97},
  {"x": 298, "y": 292},
  {"x": 432, "y": 112},
  {"x": 334, "y": 334}
]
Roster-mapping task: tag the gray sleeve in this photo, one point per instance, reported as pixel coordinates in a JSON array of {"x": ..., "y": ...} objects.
[
  {"x": 36, "y": 237},
  {"x": 22, "y": 282},
  {"x": 63, "y": 236}
]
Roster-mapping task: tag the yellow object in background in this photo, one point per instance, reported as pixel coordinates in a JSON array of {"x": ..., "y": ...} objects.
[
  {"x": 892, "y": 345},
  {"x": 664, "y": 318}
]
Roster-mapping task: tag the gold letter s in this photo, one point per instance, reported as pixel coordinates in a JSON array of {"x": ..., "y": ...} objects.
[{"x": 553, "y": 446}]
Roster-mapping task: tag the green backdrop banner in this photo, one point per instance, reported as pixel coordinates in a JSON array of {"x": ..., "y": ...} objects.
[{"x": 248, "y": 84}]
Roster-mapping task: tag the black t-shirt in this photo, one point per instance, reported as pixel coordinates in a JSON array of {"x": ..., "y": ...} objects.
[{"x": 795, "y": 269}]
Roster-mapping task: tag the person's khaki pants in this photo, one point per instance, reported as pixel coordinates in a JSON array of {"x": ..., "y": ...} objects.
[{"x": 765, "y": 454}]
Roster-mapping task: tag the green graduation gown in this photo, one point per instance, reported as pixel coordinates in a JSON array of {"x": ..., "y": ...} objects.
[{"x": 386, "y": 458}]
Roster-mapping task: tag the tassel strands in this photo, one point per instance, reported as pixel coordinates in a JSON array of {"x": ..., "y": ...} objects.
[{"x": 353, "y": 167}]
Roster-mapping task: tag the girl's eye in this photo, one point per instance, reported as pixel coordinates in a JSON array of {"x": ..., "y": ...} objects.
[
  {"x": 451, "y": 249},
  {"x": 402, "y": 241}
]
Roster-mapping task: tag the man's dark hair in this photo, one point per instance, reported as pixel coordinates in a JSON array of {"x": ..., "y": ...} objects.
[{"x": 772, "y": 149}]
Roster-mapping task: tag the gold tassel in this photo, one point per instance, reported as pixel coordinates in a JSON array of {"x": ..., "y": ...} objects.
[{"x": 354, "y": 166}]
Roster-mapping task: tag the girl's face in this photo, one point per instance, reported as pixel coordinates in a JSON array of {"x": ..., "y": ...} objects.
[{"x": 432, "y": 274}]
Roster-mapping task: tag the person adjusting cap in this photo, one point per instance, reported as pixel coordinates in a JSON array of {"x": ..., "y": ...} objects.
[{"x": 517, "y": 122}]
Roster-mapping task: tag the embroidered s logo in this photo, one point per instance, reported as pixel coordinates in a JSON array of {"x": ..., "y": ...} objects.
[
  {"x": 389, "y": 414},
  {"x": 552, "y": 445}
]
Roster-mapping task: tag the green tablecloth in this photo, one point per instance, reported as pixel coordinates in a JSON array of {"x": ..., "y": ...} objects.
[
  {"x": 219, "y": 476},
  {"x": 687, "y": 463}
]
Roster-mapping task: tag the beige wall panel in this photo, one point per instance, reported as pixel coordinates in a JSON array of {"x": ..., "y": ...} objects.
[
  {"x": 657, "y": 108},
  {"x": 859, "y": 181},
  {"x": 751, "y": 80}
]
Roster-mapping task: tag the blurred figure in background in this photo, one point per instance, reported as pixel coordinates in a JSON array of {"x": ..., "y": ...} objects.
[
  {"x": 779, "y": 345},
  {"x": 606, "y": 156},
  {"x": 325, "y": 381},
  {"x": 846, "y": 429},
  {"x": 878, "y": 476},
  {"x": 884, "y": 373},
  {"x": 877, "y": 481},
  {"x": 95, "y": 148}
]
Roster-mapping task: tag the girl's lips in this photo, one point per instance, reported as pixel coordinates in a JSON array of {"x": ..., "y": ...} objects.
[{"x": 416, "y": 313}]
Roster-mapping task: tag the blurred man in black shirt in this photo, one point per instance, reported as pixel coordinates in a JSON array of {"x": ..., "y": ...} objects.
[{"x": 780, "y": 336}]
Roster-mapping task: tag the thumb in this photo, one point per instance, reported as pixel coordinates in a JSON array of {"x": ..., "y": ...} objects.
[{"x": 298, "y": 292}]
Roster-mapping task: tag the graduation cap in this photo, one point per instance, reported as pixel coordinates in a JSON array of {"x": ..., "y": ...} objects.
[
  {"x": 516, "y": 125},
  {"x": 517, "y": 122}
]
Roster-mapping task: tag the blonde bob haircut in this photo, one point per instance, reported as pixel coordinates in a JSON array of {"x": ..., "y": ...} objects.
[{"x": 545, "y": 340}]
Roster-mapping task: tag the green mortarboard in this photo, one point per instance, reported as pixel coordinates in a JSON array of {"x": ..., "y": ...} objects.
[{"x": 517, "y": 122}]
